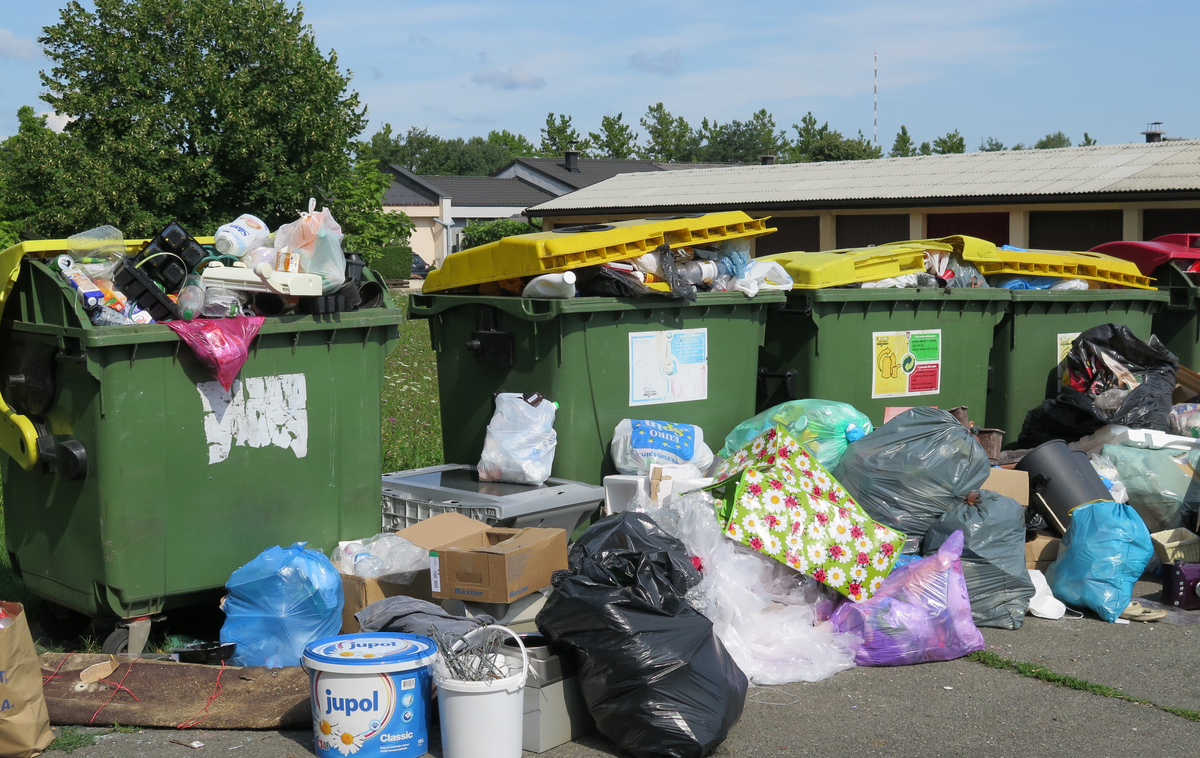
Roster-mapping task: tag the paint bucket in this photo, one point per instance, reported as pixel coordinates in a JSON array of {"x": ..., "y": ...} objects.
[
  {"x": 483, "y": 718},
  {"x": 371, "y": 694}
]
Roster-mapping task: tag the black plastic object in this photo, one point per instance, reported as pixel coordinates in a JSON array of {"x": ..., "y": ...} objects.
[
  {"x": 66, "y": 456},
  {"x": 170, "y": 256},
  {"x": 1064, "y": 480},
  {"x": 655, "y": 677},
  {"x": 680, "y": 287},
  {"x": 993, "y": 557},
  {"x": 141, "y": 289},
  {"x": 1106, "y": 357},
  {"x": 268, "y": 304},
  {"x": 371, "y": 294},
  {"x": 212, "y": 653},
  {"x": 914, "y": 468},
  {"x": 491, "y": 346},
  {"x": 601, "y": 281},
  {"x": 354, "y": 266}
]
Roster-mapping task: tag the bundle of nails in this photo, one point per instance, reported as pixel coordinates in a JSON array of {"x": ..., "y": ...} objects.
[{"x": 471, "y": 660}]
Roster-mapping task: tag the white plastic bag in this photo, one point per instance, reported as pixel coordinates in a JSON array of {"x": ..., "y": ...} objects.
[
  {"x": 637, "y": 444},
  {"x": 317, "y": 237},
  {"x": 764, "y": 275},
  {"x": 520, "y": 442}
]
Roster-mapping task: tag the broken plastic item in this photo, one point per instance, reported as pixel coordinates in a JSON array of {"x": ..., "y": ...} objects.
[
  {"x": 551, "y": 286},
  {"x": 637, "y": 444},
  {"x": 824, "y": 427},
  {"x": 222, "y": 345},
  {"x": 763, "y": 275},
  {"x": 1110, "y": 476},
  {"x": 105, "y": 316},
  {"x": 699, "y": 272},
  {"x": 262, "y": 278},
  {"x": 920, "y": 613},
  {"x": 1104, "y": 551},
  {"x": 221, "y": 303},
  {"x": 242, "y": 234},
  {"x": 278, "y": 603},
  {"x": 1044, "y": 605},
  {"x": 520, "y": 442},
  {"x": 384, "y": 555}
]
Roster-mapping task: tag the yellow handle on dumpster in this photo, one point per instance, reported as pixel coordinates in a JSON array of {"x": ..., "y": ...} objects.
[{"x": 18, "y": 437}]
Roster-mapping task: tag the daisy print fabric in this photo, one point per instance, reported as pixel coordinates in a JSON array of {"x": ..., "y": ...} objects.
[{"x": 788, "y": 507}]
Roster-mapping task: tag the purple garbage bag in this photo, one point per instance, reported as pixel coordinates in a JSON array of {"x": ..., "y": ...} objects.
[{"x": 920, "y": 613}]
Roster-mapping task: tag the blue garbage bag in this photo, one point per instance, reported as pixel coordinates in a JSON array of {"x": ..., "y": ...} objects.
[
  {"x": 280, "y": 602},
  {"x": 1105, "y": 550}
]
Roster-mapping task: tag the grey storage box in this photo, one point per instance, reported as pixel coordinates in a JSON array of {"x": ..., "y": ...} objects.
[
  {"x": 413, "y": 496},
  {"x": 555, "y": 711}
]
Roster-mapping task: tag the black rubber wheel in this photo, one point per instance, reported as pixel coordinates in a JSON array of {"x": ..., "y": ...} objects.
[
  {"x": 61, "y": 623},
  {"x": 116, "y": 643}
]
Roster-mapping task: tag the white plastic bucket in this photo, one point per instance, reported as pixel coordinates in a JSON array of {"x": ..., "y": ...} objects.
[
  {"x": 371, "y": 694},
  {"x": 483, "y": 718}
]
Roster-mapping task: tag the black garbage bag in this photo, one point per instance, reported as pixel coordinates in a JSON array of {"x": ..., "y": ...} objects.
[
  {"x": 656, "y": 679},
  {"x": 914, "y": 468},
  {"x": 993, "y": 556},
  {"x": 1103, "y": 366},
  {"x": 600, "y": 281}
]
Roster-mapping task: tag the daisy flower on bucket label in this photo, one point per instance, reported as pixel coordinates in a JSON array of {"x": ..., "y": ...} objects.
[
  {"x": 815, "y": 553},
  {"x": 815, "y": 530},
  {"x": 839, "y": 530},
  {"x": 772, "y": 544},
  {"x": 822, "y": 480},
  {"x": 735, "y": 530},
  {"x": 751, "y": 523},
  {"x": 880, "y": 562},
  {"x": 805, "y": 484},
  {"x": 862, "y": 545},
  {"x": 875, "y": 584},
  {"x": 858, "y": 573},
  {"x": 846, "y": 556},
  {"x": 773, "y": 501},
  {"x": 835, "y": 577},
  {"x": 794, "y": 542}
]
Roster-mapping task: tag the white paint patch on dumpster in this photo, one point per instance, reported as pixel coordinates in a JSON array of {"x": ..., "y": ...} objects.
[{"x": 259, "y": 412}]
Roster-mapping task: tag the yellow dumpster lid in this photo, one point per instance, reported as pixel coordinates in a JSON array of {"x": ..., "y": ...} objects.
[
  {"x": 834, "y": 268},
  {"x": 55, "y": 248},
  {"x": 586, "y": 245}
]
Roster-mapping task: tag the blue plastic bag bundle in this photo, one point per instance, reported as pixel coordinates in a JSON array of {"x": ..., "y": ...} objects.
[
  {"x": 1105, "y": 550},
  {"x": 824, "y": 427},
  {"x": 278, "y": 603}
]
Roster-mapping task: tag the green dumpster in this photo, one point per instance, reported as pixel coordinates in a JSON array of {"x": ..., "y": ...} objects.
[
  {"x": 133, "y": 482},
  {"x": 1178, "y": 323},
  {"x": 875, "y": 348},
  {"x": 1035, "y": 335},
  {"x": 602, "y": 359}
]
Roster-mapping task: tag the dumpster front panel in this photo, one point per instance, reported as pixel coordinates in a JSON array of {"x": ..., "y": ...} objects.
[{"x": 1034, "y": 337}]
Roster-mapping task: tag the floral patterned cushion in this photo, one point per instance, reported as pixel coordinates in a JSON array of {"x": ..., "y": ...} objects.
[{"x": 788, "y": 507}]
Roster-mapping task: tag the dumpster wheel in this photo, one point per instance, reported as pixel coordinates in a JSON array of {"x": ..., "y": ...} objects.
[{"x": 116, "y": 643}]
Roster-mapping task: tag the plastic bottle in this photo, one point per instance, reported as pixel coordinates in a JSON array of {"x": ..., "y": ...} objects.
[
  {"x": 191, "y": 297},
  {"x": 551, "y": 285},
  {"x": 699, "y": 272},
  {"x": 5, "y": 619},
  {"x": 240, "y": 235}
]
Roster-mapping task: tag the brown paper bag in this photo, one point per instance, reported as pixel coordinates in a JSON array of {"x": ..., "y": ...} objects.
[{"x": 24, "y": 721}]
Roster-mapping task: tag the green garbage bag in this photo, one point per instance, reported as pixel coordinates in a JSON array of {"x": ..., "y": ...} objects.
[
  {"x": 1163, "y": 485},
  {"x": 824, "y": 427}
]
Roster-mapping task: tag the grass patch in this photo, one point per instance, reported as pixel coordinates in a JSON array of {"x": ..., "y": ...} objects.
[
  {"x": 70, "y": 739},
  {"x": 412, "y": 422},
  {"x": 1043, "y": 674}
]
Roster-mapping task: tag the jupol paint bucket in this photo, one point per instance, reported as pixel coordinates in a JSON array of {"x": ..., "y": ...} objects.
[
  {"x": 483, "y": 718},
  {"x": 371, "y": 694}
]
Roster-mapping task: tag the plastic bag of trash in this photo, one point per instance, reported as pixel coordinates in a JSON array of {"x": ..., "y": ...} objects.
[
  {"x": 1108, "y": 474},
  {"x": 655, "y": 677},
  {"x": 637, "y": 444},
  {"x": 385, "y": 554},
  {"x": 993, "y": 557},
  {"x": 222, "y": 345},
  {"x": 824, "y": 427},
  {"x": 921, "y": 613},
  {"x": 1184, "y": 420},
  {"x": 1104, "y": 358},
  {"x": 763, "y": 275},
  {"x": 673, "y": 275},
  {"x": 1162, "y": 485},
  {"x": 520, "y": 441},
  {"x": 1104, "y": 551},
  {"x": 914, "y": 468},
  {"x": 280, "y": 602},
  {"x": 317, "y": 237},
  {"x": 965, "y": 275}
]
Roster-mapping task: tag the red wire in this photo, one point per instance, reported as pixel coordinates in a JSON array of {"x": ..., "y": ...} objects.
[
  {"x": 120, "y": 686},
  {"x": 193, "y": 721},
  {"x": 56, "y": 670}
]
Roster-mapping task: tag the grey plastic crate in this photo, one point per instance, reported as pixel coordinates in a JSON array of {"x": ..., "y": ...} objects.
[{"x": 413, "y": 496}]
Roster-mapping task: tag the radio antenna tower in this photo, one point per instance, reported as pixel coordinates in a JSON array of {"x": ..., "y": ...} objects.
[{"x": 876, "y": 99}]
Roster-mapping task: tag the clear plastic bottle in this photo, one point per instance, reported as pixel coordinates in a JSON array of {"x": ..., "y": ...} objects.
[{"x": 191, "y": 297}]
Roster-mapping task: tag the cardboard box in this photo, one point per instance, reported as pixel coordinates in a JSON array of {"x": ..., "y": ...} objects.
[
  {"x": 1012, "y": 483},
  {"x": 1041, "y": 551},
  {"x": 497, "y": 565}
]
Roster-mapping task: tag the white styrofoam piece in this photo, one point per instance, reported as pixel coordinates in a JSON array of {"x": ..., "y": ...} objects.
[
  {"x": 1115, "y": 434},
  {"x": 623, "y": 490}
]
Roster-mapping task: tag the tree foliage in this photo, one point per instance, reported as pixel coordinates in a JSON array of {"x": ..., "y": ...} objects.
[
  {"x": 991, "y": 145},
  {"x": 182, "y": 110},
  {"x": 558, "y": 136},
  {"x": 614, "y": 140},
  {"x": 428, "y": 154},
  {"x": 669, "y": 139},
  {"x": 903, "y": 146},
  {"x": 1058, "y": 139},
  {"x": 1087, "y": 141},
  {"x": 952, "y": 142},
  {"x": 356, "y": 201},
  {"x": 820, "y": 143},
  {"x": 478, "y": 233}
]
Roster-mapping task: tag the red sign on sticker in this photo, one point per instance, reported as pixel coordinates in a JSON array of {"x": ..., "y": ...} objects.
[{"x": 924, "y": 378}]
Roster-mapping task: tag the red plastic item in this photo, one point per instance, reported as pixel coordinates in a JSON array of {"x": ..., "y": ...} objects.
[
  {"x": 1150, "y": 255},
  {"x": 222, "y": 345}
]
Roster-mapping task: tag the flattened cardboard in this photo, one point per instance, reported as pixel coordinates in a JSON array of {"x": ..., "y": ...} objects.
[
  {"x": 1187, "y": 386},
  {"x": 500, "y": 565},
  {"x": 1041, "y": 551},
  {"x": 1014, "y": 484}
]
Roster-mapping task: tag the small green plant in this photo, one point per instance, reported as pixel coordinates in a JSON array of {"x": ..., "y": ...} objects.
[
  {"x": 70, "y": 739},
  {"x": 479, "y": 233},
  {"x": 412, "y": 424}
]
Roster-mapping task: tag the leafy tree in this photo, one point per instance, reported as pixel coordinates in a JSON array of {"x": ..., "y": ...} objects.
[
  {"x": 558, "y": 136},
  {"x": 991, "y": 145},
  {"x": 952, "y": 142},
  {"x": 1087, "y": 141},
  {"x": 741, "y": 142},
  {"x": 903, "y": 146},
  {"x": 668, "y": 138},
  {"x": 356, "y": 201},
  {"x": 194, "y": 111},
  {"x": 821, "y": 143},
  {"x": 516, "y": 144},
  {"x": 615, "y": 139},
  {"x": 478, "y": 233},
  {"x": 425, "y": 153},
  {"x": 1058, "y": 139},
  {"x": 24, "y": 158},
  {"x": 925, "y": 149},
  {"x": 1020, "y": 146}
]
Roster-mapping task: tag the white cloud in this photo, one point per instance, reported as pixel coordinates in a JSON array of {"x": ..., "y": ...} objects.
[
  {"x": 12, "y": 46},
  {"x": 56, "y": 121},
  {"x": 667, "y": 63},
  {"x": 515, "y": 78}
]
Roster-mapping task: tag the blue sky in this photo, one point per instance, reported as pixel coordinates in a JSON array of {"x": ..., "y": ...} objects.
[{"x": 1012, "y": 69}]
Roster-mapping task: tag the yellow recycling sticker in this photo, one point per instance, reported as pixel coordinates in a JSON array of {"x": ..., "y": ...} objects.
[{"x": 906, "y": 363}]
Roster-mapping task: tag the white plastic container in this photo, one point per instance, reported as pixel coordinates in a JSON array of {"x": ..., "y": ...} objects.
[
  {"x": 551, "y": 285},
  {"x": 240, "y": 235},
  {"x": 371, "y": 694},
  {"x": 483, "y": 718}
]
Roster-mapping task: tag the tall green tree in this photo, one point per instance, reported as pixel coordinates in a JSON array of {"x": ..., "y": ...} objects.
[
  {"x": 1087, "y": 141},
  {"x": 197, "y": 111},
  {"x": 903, "y": 146},
  {"x": 741, "y": 141},
  {"x": 516, "y": 144},
  {"x": 925, "y": 149},
  {"x": 423, "y": 153},
  {"x": 614, "y": 140},
  {"x": 356, "y": 201},
  {"x": 991, "y": 145},
  {"x": 820, "y": 143},
  {"x": 952, "y": 142},
  {"x": 558, "y": 135},
  {"x": 1058, "y": 139},
  {"x": 669, "y": 139}
]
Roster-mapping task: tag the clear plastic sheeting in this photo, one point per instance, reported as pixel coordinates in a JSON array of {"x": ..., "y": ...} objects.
[
  {"x": 914, "y": 468},
  {"x": 520, "y": 442},
  {"x": 993, "y": 557},
  {"x": 1162, "y": 484},
  {"x": 1108, "y": 473},
  {"x": 98, "y": 252},
  {"x": 920, "y": 614},
  {"x": 1184, "y": 420},
  {"x": 1103, "y": 553},
  {"x": 280, "y": 602},
  {"x": 823, "y": 427},
  {"x": 773, "y": 620},
  {"x": 384, "y": 555}
]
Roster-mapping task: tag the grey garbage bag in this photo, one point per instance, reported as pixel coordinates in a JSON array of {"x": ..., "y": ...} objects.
[
  {"x": 413, "y": 616},
  {"x": 993, "y": 557},
  {"x": 914, "y": 468}
]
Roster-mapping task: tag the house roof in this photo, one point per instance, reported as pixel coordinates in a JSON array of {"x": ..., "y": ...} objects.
[
  {"x": 406, "y": 188},
  {"x": 1137, "y": 169},
  {"x": 488, "y": 191}
]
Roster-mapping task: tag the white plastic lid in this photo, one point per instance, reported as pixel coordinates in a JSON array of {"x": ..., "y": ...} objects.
[{"x": 370, "y": 653}]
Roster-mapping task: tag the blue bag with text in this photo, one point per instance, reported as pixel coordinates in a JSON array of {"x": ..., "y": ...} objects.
[
  {"x": 1105, "y": 550},
  {"x": 638, "y": 444}
]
